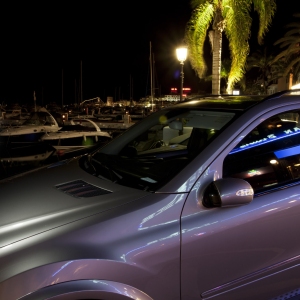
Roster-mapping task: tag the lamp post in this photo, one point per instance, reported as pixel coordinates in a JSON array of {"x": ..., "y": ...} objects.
[{"x": 181, "y": 56}]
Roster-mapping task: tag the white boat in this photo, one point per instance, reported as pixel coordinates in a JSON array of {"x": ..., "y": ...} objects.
[
  {"x": 114, "y": 128},
  {"x": 13, "y": 117},
  {"x": 78, "y": 134},
  {"x": 2, "y": 114},
  {"x": 30, "y": 131}
]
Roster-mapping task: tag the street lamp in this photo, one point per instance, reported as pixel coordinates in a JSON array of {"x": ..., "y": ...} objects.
[{"x": 181, "y": 56}]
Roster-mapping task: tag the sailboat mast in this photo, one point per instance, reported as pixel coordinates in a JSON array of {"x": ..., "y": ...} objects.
[
  {"x": 81, "y": 93},
  {"x": 151, "y": 76},
  {"x": 62, "y": 87}
]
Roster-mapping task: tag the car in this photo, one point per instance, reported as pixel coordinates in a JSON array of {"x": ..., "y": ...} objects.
[{"x": 199, "y": 200}]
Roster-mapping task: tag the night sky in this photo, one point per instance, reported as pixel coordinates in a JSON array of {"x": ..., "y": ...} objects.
[{"x": 44, "y": 45}]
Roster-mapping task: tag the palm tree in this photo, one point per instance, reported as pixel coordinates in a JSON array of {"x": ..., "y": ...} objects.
[
  {"x": 224, "y": 73},
  {"x": 291, "y": 44},
  {"x": 267, "y": 69},
  {"x": 232, "y": 17}
]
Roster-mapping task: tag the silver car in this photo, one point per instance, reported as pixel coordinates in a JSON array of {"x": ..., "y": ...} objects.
[{"x": 200, "y": 200}]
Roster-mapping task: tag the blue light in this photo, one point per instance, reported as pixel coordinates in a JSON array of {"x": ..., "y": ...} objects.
[
  {"x": 287, "y": 152},
  {"x": 266, "y": 140}
]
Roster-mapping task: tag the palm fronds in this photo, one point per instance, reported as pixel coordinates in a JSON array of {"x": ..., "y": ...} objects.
[
  {"x": 265, "y": 10},
  {"x": 195, "y": 36},
  {"x": 237, "y": 30},
  {"x": 290, "y": 43}
]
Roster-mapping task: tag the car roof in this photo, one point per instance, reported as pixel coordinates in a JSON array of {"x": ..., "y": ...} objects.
[
  {"x": 226, "y": 102},
  {"x": 233, "y": 102}
]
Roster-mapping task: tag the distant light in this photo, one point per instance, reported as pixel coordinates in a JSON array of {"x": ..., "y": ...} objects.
[
  {"x": 296, "y": 86},
  {"x": 235, "y": 92}
]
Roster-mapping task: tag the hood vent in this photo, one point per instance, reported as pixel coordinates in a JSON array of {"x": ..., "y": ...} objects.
[{"x": 81, "y": 189}]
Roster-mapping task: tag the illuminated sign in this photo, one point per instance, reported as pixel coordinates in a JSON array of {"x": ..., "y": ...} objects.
[{"x": 186, "y": 90}]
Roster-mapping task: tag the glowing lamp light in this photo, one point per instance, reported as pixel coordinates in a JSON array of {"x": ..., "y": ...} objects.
[{"x": 181, "y": 54}]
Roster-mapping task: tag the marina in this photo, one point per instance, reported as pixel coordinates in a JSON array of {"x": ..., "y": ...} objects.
[
  {"x": 32, "y": 136},
  {"x": 46, "y": 135}
]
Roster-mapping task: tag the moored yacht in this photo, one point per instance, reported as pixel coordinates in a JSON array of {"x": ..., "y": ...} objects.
[
  {"x": 78, "y": 134},
  {"x": 31, "y": 130}
]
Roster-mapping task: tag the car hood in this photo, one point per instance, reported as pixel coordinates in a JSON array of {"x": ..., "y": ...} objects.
[{"x": 53, "y": 196}]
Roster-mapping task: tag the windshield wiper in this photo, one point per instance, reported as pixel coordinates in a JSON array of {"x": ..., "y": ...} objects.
[
  {"x": 131, "y": 172},
  {"x": 104, "y": 167}
]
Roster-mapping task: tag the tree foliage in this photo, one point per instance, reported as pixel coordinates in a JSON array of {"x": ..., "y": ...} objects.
[
  {"x": 234, "y": 18},
  {"x": 290, "y": 43}
]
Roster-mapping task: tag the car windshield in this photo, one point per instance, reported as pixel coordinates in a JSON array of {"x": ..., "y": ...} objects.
[{"x": 155, "y": 149}]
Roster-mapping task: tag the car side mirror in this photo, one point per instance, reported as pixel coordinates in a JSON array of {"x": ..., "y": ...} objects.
[{"x": 227, "y": 192}]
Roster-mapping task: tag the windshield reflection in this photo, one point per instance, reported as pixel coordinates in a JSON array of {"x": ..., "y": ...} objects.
[{"x": 154, "y": 150}]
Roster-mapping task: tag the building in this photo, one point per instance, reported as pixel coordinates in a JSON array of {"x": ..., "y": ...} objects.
[{"x": 283, "y": 83}]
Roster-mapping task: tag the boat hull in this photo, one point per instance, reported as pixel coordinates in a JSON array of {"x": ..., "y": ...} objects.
[
  {"x": 75, "y": 141},
  {"x": 11, "y": 138}
]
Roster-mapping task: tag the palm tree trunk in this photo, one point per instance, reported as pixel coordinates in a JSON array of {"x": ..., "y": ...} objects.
[{"x": 216, "y": 62}]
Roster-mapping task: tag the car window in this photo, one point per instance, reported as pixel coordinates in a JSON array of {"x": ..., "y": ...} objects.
[
  {"x": 269, "y": 155},
  {"x": 156, "y": 150},
  {"x": 190, "y": 131}
]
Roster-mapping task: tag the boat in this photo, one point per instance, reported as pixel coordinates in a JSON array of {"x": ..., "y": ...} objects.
[
  {"x": 113, "y": 124},
  {"x": 13, "y": 116},
  {"x": 2, "y": 114},
  {"x": 76, "y": 135},
  {"x": 30, "y": 131},
  {"x": 113, "y": 127},
  {"x": 138, "y": 112}
]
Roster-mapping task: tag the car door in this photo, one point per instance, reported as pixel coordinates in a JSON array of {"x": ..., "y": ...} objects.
[{"x": 248, "y": 251}]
